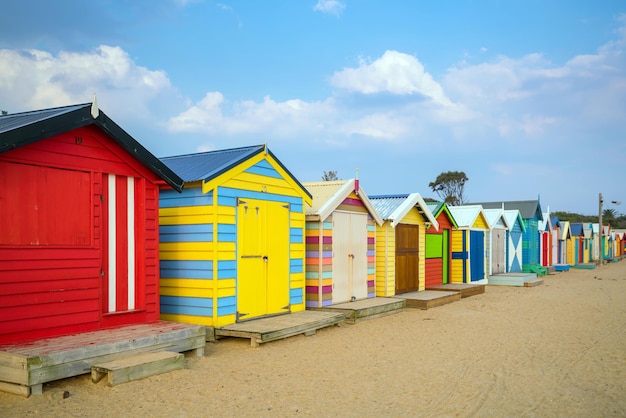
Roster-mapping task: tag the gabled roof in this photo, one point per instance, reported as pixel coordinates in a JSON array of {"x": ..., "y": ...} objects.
[
  {"x": 577, "y": 229},
  {"x": 566, "y": 232},
  {"x": 20, "y": 129},
  {"x": 436, "y": 208},
  {"x": 512, "y": 215},
  {"x": 545, "y": 224},
  {"x": 328, "y": 195},
  {"x": 466, "y": 215},
  {"x": 555, "y": 221},
  {"x": 395, "y": 207},
  {"x": 527, "y": 208},
  {"x": 207, "y": 166},
  {"x": 589, "y": 230},
  {"x": 493, "y": 215}
]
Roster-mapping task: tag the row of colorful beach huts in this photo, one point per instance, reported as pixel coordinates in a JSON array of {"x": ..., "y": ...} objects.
[{"x": 96, "y": 232}]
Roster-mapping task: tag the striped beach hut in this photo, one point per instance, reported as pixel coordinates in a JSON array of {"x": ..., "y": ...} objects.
[
  {"x": 438, "y": 245},
  {"x": 400, "y": 243},
  {"x": 469, "y": 258},
  {"x": 514, "y": 240},
  {"x": 78, "y": 225},
  {"x": 340, "y": 243},
  {"x": 232, "y": 244}
]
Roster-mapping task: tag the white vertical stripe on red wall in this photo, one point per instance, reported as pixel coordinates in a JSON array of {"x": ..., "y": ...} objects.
[
  {"x": 131, "y": 242},
  {"x": 112, "y": 226}
]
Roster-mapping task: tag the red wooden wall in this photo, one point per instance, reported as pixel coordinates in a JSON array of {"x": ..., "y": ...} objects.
[{"x": 53, "y": 206}]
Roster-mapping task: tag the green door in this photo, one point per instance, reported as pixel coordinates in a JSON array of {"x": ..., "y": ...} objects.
[{"x": 445, "y": 265}]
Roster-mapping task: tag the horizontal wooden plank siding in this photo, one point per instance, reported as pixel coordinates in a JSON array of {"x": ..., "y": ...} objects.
[{"x": 54, "y": 286}]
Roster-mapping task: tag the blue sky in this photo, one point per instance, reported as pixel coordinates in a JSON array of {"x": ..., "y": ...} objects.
[{"x": 527, "y": 98}]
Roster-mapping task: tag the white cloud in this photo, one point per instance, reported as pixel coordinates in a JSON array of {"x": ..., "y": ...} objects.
[
  {"x": 333, "y": 7},
  {"x": 36, "y": 79},
  {"x": 395, "y": 73}
]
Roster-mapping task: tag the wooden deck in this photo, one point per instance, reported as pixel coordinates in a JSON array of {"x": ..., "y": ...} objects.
[
  {"x": 367, "y": 308},
  {"x": 273, "y": 328},
  {"x": 533, "y": 283},
  {"x": 465, "y": 289},
  {"x": 427, "y": 299},
  {"x": 24, "y": 367},
  {"x": 511, "y": 279}
]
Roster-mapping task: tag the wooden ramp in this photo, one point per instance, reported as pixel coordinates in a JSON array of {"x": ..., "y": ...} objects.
[
  {"x": 273, "y": 328},
  {"x": 24, "y": 367},
  {"x": 427, "y": 299},
  {"x": 465, "y": 289},
  {"x": 511, "y": 279},
  {"x": 367, "y": 308}
]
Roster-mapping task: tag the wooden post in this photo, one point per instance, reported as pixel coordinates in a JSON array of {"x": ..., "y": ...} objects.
[{"x": 600, "y": 223}]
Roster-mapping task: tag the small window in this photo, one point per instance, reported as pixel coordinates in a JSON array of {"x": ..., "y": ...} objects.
[{"x": 41, "y": 206}]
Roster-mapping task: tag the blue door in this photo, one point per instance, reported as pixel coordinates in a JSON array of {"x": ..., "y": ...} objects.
[{"x": 477, "y": 255}]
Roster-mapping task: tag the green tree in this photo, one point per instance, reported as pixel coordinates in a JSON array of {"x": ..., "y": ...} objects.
[
  {"x": 609, "y": 213},
  {"x": 450, "y": 186},
  {"x": 330, "y": 175}
]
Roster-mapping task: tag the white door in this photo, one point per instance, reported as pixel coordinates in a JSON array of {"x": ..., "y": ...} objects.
[{"x": 349, "y": 256}]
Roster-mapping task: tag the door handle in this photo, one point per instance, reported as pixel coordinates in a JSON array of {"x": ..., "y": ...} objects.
[{"x": 265, "y": 258}]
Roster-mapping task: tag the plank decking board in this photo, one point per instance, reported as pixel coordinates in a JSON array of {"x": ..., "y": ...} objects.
[
  {"x": 532, "y": 283},
  {"x": 511, "y": 279},
  {"x": 277, "y": 327},
  {"x": 427, "y": 299},
  {"x": 465, "y": 289},
  {"x": 367, "y": 308},
  {"x": 36, "y": 362},
  {"x": 137, "y": 367}
]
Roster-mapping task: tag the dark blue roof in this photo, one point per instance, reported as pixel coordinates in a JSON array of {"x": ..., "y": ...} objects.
[
  {"x": 208, "y": 165},
  {"x": 576, "y": 229},
  {"x": 20, "y": 129}
]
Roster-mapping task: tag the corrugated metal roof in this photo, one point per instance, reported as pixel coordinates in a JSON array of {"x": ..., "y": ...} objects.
[
  {"x": 207, "y": 165},
  {"x": 21, "y": 129},
  {"x": 527, "y": 208},
  {"x": 18, "y": 120},
  {"x": 386, "y": 204}
]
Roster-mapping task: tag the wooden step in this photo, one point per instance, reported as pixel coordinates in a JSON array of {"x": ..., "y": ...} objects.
[
  {"x": 137, "y": 367},
  {"x": 534, "y": 282}
]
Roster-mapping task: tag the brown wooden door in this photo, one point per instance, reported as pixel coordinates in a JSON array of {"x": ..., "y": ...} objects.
[{"x": 407, "y": 258}]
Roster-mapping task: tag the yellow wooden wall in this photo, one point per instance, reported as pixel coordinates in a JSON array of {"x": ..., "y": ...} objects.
[{"x": 385, "y": 260}]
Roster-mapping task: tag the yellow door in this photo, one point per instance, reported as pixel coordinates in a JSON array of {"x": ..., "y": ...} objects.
[{"x": 263, "y": 258}]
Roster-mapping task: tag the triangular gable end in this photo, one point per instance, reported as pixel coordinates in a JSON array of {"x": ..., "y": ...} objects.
[
  {"x": 249, "y": 163},
  {"x": 413, "y": 200},
  {"x": 340, "y": 195}
]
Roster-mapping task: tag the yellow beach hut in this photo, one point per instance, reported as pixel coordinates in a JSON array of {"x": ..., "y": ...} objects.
[
  {"x": 232, "y": 244},
  {"x": 401, "y": 243}
]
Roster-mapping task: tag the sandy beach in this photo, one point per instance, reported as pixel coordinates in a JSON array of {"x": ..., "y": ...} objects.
[{"x": 554, "y": 350}]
